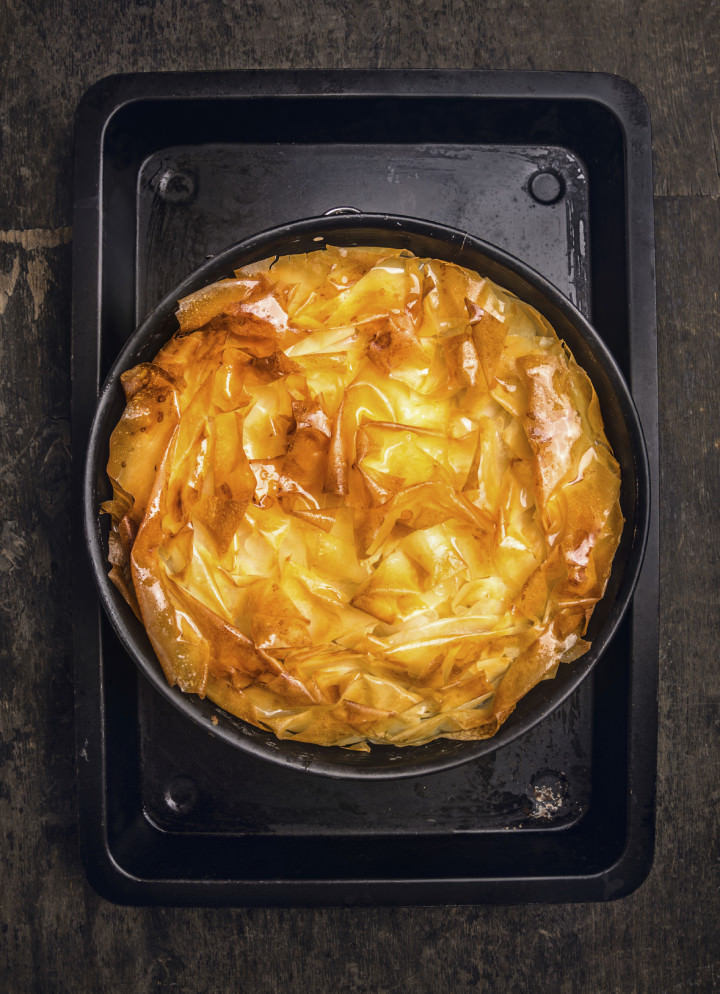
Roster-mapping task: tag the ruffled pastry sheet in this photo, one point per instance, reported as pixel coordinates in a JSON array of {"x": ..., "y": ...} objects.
[{"x": 362, "y": 497}]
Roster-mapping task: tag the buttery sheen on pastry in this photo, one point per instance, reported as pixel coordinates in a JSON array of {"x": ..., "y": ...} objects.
[{"x": 362, "y": 497}]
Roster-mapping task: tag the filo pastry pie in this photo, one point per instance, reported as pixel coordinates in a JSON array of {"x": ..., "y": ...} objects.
[{"x": 362, "y": 497}]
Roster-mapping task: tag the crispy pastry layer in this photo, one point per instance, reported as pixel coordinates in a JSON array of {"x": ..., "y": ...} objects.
[{"x": 362, "y": 497}]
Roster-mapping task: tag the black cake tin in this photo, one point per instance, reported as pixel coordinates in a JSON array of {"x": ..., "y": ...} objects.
[{"x": 554, "y": 168}]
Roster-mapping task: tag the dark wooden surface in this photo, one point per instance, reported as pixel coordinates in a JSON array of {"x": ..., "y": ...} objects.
[{"x": 56, "y": 934}]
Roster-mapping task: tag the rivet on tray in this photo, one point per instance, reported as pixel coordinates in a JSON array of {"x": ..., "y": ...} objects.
[
  {"x": 176, "y": 186},
  {"x": 180, "y": 795},
  {"x": 546, "y": 186}
]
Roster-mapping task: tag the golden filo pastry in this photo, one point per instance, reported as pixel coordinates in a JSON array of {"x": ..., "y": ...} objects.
[{"x": 362, "y": 497}]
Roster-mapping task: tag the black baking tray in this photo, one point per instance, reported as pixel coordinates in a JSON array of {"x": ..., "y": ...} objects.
[{"x": 555, "y": 168}]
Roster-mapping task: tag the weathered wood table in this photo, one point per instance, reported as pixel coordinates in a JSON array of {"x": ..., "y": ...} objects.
[{"x": 56, "y": 933}]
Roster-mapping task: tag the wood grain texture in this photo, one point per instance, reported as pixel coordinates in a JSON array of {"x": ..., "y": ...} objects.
[{"x": 56, "y": 935}]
